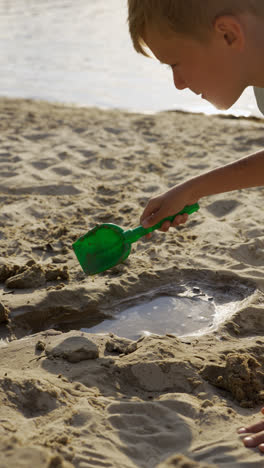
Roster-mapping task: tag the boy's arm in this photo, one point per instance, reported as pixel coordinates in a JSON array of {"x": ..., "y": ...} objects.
[{"x": 244, "y": 173}]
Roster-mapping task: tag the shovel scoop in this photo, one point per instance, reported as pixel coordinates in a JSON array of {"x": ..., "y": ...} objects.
[{"x": 108, "y": 245}]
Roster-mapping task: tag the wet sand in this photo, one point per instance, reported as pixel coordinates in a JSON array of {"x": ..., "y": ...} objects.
[{"x": 70, "y": 398}]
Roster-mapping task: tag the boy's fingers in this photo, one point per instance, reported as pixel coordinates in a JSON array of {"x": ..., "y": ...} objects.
[
  {"x": 151, "y": 220},
  {"x": 180, "y": 219},
  {"x": 254, "y": 440},
  {"x": 148, "y": 236},
  {"x": 155, "y": 218},
  {"x": 165, "y": 226},
  {"x": 148, "y": 212},
  {"x": 252, "y": 429}
]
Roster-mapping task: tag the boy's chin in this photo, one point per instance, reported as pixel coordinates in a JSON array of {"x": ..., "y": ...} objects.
[
  {"x": 222, "y": 107},
  {"x": 223, "y": 104}
]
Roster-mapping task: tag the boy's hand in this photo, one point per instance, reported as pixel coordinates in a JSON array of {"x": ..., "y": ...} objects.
[
  {"x": 256, "y": 439},
  {"x": 164, "y": 205}
]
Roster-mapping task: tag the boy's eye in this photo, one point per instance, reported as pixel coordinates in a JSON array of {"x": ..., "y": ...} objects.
[{"x": 170, "y": 66}]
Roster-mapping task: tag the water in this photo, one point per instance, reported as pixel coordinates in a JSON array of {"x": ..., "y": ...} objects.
[
  {"x": 80, "y": 52},
  {"x": 165, "y": 314},
  {"x": 182, "y": 309}
]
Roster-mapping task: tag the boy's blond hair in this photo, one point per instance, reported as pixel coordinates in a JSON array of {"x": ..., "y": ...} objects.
[{"x": 190, "y": 17}]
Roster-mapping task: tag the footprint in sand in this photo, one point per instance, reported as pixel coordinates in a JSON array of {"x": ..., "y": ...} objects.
[
  {"x": 222, "y": 208},
  {"x": 150, "y": 424}
]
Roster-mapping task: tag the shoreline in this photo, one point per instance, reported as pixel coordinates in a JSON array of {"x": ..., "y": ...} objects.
[
  {"x": 215, "y": 113},
  {"x": 64, "y": 169}
]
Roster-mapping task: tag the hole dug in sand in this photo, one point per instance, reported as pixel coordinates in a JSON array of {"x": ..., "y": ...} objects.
[
  {"x": 162, "y": 315},
  {"x": 194, "y": 311}
]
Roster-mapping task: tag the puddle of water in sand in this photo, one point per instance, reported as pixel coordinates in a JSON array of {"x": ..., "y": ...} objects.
[
  {"x": 192, "y": 311},
  {"x": 165, "y": 314}
]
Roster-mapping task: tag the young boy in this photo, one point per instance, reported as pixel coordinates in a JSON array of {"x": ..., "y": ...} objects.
[{"x": 216, "y": 49}]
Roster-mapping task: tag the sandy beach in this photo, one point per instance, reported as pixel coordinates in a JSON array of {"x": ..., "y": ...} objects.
[{"x": 76, "y": 399}]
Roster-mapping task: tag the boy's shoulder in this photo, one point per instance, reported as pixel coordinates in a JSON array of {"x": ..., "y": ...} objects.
[{"x": 259, "y": 93}]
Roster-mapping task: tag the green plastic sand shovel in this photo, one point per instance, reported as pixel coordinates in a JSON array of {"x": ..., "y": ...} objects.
[{"x": 107, "y": 245}]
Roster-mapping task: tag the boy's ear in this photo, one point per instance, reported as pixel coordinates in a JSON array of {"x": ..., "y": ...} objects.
[{"x": 232, "y": 31}]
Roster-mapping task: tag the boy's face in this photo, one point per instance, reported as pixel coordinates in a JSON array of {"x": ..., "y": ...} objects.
[{"x": 211, "y": 69}]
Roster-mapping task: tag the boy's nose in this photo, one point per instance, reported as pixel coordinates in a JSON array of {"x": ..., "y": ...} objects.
[{"x": 178, "y": 81}]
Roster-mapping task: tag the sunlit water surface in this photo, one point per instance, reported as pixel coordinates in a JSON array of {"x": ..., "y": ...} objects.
[{"x": 165, "y": 314}]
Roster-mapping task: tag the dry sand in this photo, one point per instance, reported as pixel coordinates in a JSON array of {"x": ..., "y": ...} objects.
[{"x": 69, "y": 398}]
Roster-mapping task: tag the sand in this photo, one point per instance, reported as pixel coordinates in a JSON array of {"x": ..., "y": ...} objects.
[{"x": 74, "y": 399}]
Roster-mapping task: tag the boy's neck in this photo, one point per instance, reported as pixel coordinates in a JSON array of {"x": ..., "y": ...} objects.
[{"x": 255, "y": 51}]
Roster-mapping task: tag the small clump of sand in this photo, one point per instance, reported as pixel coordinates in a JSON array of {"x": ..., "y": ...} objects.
[{"x": 73, "y": 399}]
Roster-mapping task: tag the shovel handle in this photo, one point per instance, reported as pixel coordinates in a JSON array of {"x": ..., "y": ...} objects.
[
  {"x": 132, "y": 235},
  {"x": 189, "y": 209}
]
